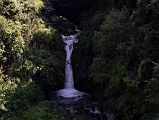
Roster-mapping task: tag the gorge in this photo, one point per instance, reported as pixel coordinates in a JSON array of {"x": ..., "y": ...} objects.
[{"x": 47, "y": 69}]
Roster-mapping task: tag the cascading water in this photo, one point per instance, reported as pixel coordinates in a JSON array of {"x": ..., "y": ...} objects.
[
  {"x": 69, "y": 40},
  {"x": 69, "y": 90}
]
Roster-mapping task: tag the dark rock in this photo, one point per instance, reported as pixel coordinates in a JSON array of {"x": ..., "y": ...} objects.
[{"x": 81, "y": 105}]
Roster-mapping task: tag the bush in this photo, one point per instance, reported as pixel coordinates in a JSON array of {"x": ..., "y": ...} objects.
[
  {"x": 42, "y": 111},
  {"x": 21, "y": 99}
]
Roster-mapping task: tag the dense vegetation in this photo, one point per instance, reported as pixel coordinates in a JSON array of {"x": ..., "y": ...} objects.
[{"x": 116, "y": 58}]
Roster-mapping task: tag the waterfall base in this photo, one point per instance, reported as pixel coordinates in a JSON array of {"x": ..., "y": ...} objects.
[
  {"x": 76, "y": 102},
  {"x": 70, "y": 97},
  {"x": 69, "y": 93}
]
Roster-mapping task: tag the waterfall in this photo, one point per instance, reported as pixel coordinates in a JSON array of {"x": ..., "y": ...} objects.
[
  {"x": 69, "y": 90},
  {"x": 69, "y": 41}
]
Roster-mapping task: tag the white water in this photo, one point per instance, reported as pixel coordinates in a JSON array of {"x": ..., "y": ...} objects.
[
  {"x": 69, "y": 90},
  {"x": 69, "y": 40}
]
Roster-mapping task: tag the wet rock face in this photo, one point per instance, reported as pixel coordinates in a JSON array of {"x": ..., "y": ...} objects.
[
  {"x": 81, "y": 104},
  {"x": 48, "y": 8},
  {"x": 67, "y": 8},
  {"x": 63, "y": 25},
  {"x": 72, "y": 9}
]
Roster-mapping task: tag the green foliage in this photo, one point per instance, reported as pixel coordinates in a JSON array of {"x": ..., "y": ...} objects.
[
  {"x": 7, "y": 86},
  {"x": 23, "y": 98},
  {"x": 12, "y": 43},
  {"x": 109, "y": 44},
  {"x": 84, "y": 52},
  {"x": 8, "y": 8},
  {"x": 47, "y": 111},
  {"x": 151, "y": 88},
  {"x": 49, "y": 67},
  {"x": 31, "y": 58},
  {"x": 122, "y": 54},
  {"x": 43, "y": 111},
  {"x": 110, "y": 64}
]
